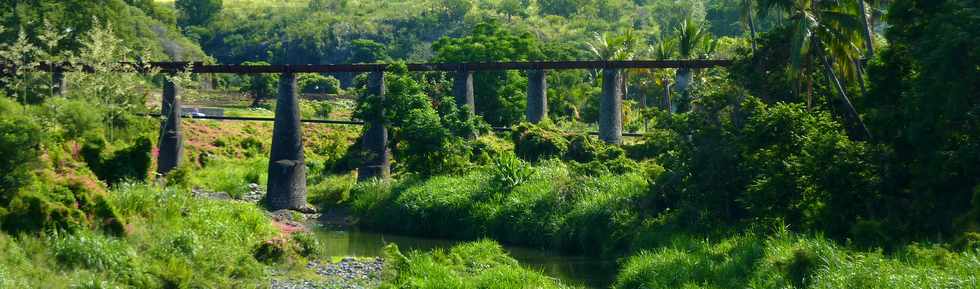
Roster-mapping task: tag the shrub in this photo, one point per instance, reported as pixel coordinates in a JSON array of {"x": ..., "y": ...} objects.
[
  {"x": 116, "y": 165},
  {"x": 487, "y": 147},
  {"x": 75, "y": 118},
  {"x": 322, "y": 109},
  {"x": 61, "y": 203},
  {"x": 427, "y": 148},
  {"x": 307, "y": 245},
  {"x": 20, "y": 139},
  {"x": 583, "y": 148},
  {"x": 316, "y": 83},
  {"x": 251, "y": 146},
  {"x": 272, "y": 251},
  {"x": 538, "y": 142},
  {"x": 425, "y": 140},
  {"x": 508, "y": 172}
]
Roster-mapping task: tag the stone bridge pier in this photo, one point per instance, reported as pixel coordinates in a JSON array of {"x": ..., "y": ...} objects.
[
  {"x": 377, "y": 158},
  {"x": 287, "y": 163}
]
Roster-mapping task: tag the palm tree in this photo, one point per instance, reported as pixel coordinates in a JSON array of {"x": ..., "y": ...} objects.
[
  {"x": 616, "y": 48},
  {"x": 746, "y": 12},
  {"x": 828, "y": 32},
  {"x": 690, "y": 39},
  {"x": 868, "y": 35}
]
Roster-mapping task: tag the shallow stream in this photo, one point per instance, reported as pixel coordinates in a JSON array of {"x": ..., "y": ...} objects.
[{"x": 573, "y": 270}]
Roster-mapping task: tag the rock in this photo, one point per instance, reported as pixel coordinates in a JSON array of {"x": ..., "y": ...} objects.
[
  {"x": 200, "y": 193},
  {"x": 349, "y": 273},
  {"x": 254, "y": 194}
]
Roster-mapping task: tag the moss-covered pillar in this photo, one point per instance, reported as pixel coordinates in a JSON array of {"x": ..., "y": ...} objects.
[
  {"x": 171, "y": 142},
  {"x": 377, "y": 161},
  {"x": 537, "y": 95},
  {"x": 287, "y": 164},
  {"x": 58, "y": 85},
  {"x": 463, "y": 89},
  {"x": 611, "y": 107}
]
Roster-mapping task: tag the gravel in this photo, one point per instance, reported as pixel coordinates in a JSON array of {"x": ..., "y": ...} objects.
[{"x": 349, "y": 273}]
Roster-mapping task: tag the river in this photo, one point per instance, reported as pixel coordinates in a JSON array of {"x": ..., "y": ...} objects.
[{"x": 573, "y": 270}]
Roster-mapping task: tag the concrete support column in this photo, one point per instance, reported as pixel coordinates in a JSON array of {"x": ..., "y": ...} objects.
[
  {"x": 58, "y": 84},
  {"x": 685, "y": 76},
  {"x": 463, "y": 90},
  {"x": 665, "y": 102},
  {"x": 287, "y": 163},
  {"x": 377, "y": 162},
  {"x": 537, "y": 95},
  {"x": 611, "y": 107},
  {"x": 171, "y": 142}
]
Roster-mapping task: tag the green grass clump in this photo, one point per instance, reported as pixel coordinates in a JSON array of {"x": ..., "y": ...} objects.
[
  {"x": 90, "y": 250},
  {"x": 231, "y": 175},
  {"x": 482, "y": 264},
  {"x": 548, "y": 205},
  {"x": 331, "y": 190},
  {"x": 173, "y": 241},
  {"x": 790, "y": 261}
]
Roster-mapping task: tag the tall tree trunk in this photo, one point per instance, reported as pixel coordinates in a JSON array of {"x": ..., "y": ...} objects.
[
  {"x": 868, "y": 34},
  {"x": 852, "y": 112},
  {"x": 748, "y": 7}
]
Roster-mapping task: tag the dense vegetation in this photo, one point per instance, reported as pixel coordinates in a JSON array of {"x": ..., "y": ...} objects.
[{"x": 800, "y": 166}]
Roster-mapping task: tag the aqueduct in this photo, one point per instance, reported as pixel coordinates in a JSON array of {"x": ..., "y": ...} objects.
[{"x": 287, "y": 168}]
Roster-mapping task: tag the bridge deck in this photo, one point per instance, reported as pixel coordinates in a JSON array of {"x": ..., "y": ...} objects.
[{"x": 199, "y": 67}]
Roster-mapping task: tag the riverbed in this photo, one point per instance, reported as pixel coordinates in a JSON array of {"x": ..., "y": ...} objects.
[{"x": 573, "y": 270}]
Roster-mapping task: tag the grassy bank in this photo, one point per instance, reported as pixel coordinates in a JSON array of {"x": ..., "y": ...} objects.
[
  {"x": 553, "y": 207},
  {"x": 561, "y": 206},
  {"x": 783, "y": 260},
  {"x": 173, "y": 241},
  {"x": 482, "y": 264}
]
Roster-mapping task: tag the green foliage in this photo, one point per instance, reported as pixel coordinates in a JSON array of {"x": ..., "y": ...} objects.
[
  {"x": 197, "y": 12},
  {"x": 508, "y": 172},
  {"x": 114, "y": 165},
  {"x": 787, "y": 261},
  {"x": 231, "y": 176},
  {"x": 20, "y": 140},
  {"x": 332, "y": 190},
  {"x": 180, "y": 242},
  {"x": 260, "y": 86},
  {"x": 316, "y": 83},
  {"x": 499, "y": 96},
  {"x": 778, "y": 162},
  {"x": 143, "y": 25},
  {"x": 548, "y": 206},
  {"x": 307, "y": 245},
  {"x": 90, "y": 250},
  {"x": 75, "y": 118},
  {"x": 367, "y": 51},
  {"x": 922, "y": 105},
  {"x": 561, "y": 7},
  {"x": 482, "y": 264},
  {"x": 61, "y": 203},
  {"x": 538, "y": 142},
  {"x": 424, "y": 140}
]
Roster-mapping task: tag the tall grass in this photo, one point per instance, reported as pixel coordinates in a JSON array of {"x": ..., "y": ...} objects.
[
  {"x": 231, "y": 175},
  {"x": 791, "y": 261},
  {"x": 551, "y": 206},
  {"x": 482, "y": 264},
  {"x": 174, "y": 241}
]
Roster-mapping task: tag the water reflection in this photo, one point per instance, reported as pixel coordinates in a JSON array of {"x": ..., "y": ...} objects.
[{"x": 573, "y": 270}]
